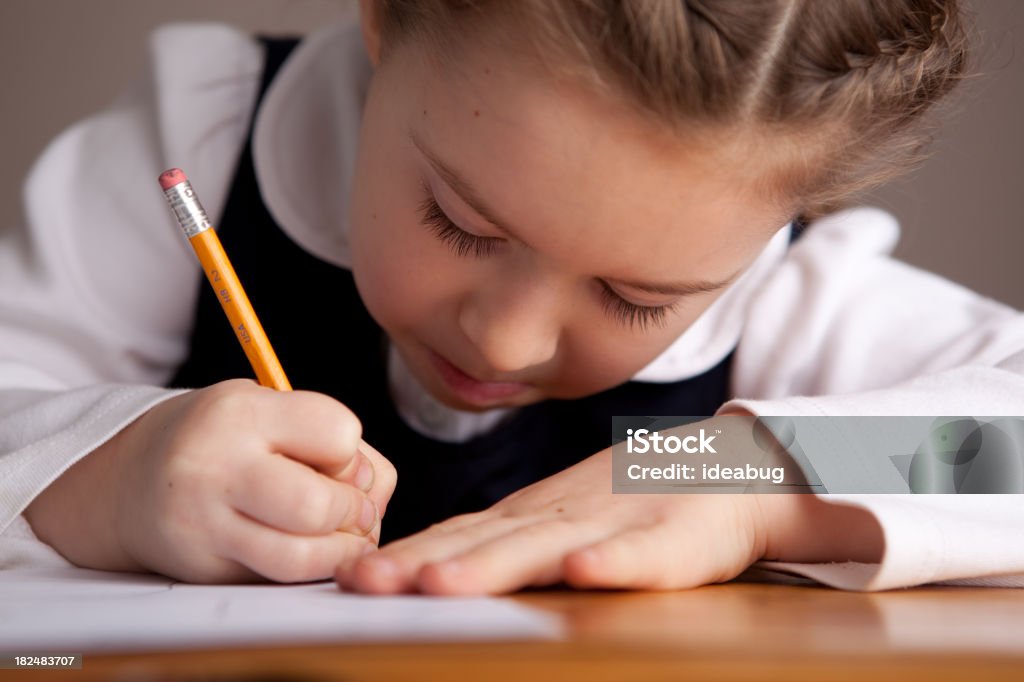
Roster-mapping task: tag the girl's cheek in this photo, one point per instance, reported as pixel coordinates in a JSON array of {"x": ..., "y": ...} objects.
[
  {"x": 398, "y": 272},
  {"x": 601, "y": 364},
  {"x": 600, "y": 360}
]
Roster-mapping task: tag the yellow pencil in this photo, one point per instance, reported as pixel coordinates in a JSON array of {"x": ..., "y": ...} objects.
[{"x": 222, "y": 278}]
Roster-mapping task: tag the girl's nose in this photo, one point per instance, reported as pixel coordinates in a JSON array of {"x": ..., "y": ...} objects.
[{"x": 514, "y": 326}]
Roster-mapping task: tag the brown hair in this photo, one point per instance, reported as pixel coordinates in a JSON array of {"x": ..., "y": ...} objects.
[{"x": 840, "y": 86}]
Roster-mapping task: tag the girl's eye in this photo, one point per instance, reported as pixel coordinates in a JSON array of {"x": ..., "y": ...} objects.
[
  {"x": 631, "y": 314},
  {"x": 458, "y": 240},
  {"x": 463, "y": 243}
]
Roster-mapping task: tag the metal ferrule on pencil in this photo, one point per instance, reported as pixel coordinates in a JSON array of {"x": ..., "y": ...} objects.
[{"x": 187, "y": 209}]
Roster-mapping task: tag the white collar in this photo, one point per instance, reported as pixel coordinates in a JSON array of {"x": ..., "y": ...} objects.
[
  {"x": 306, "y": 137},
  {"x": 717, "y": 331},
  {"x": 305, "y": 143}
]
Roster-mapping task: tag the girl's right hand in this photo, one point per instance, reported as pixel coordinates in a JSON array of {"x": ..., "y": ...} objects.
[{"x": 231, "y": 483}]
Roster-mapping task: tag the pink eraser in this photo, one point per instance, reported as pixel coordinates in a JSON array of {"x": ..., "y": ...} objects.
[{"x": 172, "y": 177}]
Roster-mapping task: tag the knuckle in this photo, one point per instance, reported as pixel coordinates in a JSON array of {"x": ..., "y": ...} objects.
[
  {"x": 228, "y": 401},
  {"x": 353, "y": 506},
  {"x": 297, "y": 564},
  {"x": 348, "y": 422},
  {"x": 313, "y": 510},
  {"x": 346, "y": 430},
  {"x": 345, "y": 433},
  {"x": 386, "y": 474},
  {"x": 354, "y": 547},
  {"x": 331, "y": 411}
]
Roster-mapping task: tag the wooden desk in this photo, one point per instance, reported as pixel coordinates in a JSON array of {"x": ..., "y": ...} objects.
[{"x": 722, "y": 632}]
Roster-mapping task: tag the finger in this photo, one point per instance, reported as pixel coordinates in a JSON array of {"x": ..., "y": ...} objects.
[
  {"x": 384, "y": 476},
  {"x": 289, "y": 496},
  {"x": 206, "y": 568},
  {"x": 287, "y": 558},
  {"x": 380, "y": 575},
  {"x": 531, "y": 555},
  {"x": 395, "y": 567},
  {"x": 312, "y": 428},
  {"x": 653, "y": 558}
]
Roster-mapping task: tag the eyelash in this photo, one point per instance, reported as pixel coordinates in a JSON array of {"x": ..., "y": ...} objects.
[
  {"x": 463, "y": 244},
  {"x": 632, "y": 315},
  {"x": 458, "y": 240}
]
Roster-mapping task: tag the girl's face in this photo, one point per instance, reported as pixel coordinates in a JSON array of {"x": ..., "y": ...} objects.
[{"x": 520, "y": 240}]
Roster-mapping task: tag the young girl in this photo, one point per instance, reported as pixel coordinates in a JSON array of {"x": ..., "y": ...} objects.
[{"x": 474, "y": 233}]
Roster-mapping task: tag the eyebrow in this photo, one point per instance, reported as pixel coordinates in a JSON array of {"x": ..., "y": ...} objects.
[
  {"x": 462, "y": 188},
  {"x": 469, "y": 195}
]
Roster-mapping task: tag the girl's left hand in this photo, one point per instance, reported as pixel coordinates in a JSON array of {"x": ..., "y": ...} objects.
[{"x": 571, "y": 528}]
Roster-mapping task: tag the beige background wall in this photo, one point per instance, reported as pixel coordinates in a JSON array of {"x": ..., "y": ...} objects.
[{"x": 963, "y": 212}]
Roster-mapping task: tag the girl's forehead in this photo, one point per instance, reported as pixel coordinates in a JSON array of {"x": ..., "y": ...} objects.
[{"x": 582, "y": 175}]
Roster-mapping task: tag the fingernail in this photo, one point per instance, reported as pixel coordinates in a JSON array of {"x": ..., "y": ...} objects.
[
  {"x": 364, "y": 475},
  {"x": 368, "y": 516}
]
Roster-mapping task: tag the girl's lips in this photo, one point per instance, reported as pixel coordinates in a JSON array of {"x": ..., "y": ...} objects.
[{"x": 469, "y": 389}]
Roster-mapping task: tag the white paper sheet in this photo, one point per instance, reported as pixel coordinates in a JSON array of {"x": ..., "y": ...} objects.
[{"x": 77, "y": 610}]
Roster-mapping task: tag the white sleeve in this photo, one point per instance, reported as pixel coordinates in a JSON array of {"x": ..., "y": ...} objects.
[
  {"x": 843, "y": 330},
  {"x": 97, "y": 283}
]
